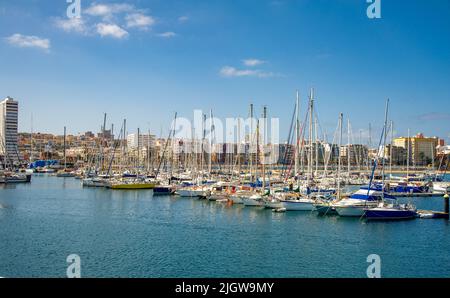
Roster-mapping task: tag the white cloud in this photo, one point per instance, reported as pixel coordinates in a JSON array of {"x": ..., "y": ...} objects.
[
  {"x": 229, "y": 71},
  {"x": 71, "y": 25},
  {"x": 139, "y": 20},
  {"x": 183, "y": 19},
  {"x": 168, "y": 34},
  {"x": 253, "y": 62},
  {"x": 108, "y": 19},
  {"x": 107, "y": 10},
  {"x": 111, "y": 30},
  {"x": 25, "y": 41}
]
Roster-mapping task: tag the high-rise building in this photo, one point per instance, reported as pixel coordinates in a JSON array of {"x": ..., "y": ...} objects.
[
  {"x": 422, "y": 150},
  {"x": 9, "y": 114},
  {"x": 145, "y": 140}
]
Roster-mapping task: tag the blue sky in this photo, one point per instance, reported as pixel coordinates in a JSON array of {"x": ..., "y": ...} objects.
[{"x": 144, "y": 60}]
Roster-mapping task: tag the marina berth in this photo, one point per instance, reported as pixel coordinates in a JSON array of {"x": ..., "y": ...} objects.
[
  {"x": 239, "y": 196},
  {"x": 391, "y": 211},
  {"x": 317, "y": 177},
  {"x": 94, "y": 182},
  {"x": 272, "y": 202},
  {"x": 355, "y": 205},
  {"x": 130, "y": 184},
  {"x": 325, "y": 208},
  {"x": 12, "y": 178},
  {"x": 255, "y": 200},
  {"x": 65, "y": 174},
  {"x": 441, "y": 187},
  {"x": 221, "y": 192},
  {"x": 295, "y": 201},
  {"x": 163, "y": 190},
  {"x": 194, "y": 192}
]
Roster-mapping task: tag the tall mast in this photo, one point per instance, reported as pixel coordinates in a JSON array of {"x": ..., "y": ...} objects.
[
  {"x": 341, "y": 116},
  {"x": 251, "y": 143},
  {"x": 31, "y": 140},
  {"x": 257, "y": 151},
  {"x": 407, "y": 155},
  {"x": 65, "y": 161},
  {"x": 384, "y": 144},
  {"x": 263, "y": 157},
  {"x": 102, "y": 140},
  {"x": 112, "y": 146},
  {"x": 172, "y": 145},
  {"x": 369, "y": 145},
  {"x": 138, "y": 150},
  {"x": 124, "y": 144},
  {"x": 348, "y": 147},
  {"x": 360, "y": 151},
  {"x": 316, "y": 145},
  {"x": 239, "y": 147},
  {"x": 194, "y": 156},
  {"x": 311, "y": 109},
  {"x": 391, "y": 149},
  {"x": 148, "y": 152},
  {"x": 297, "y": 135},
  {"x": 202, "y": 155},
  {"x": 210, "y": 142}
]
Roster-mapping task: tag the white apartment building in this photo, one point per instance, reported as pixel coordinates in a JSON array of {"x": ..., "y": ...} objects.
[
  {"x": 9, "y": 114},
  {"x": 145, "y": 140}
]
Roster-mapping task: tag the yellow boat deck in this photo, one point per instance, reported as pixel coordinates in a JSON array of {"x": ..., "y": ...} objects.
[{"x": 133, "y": 186}]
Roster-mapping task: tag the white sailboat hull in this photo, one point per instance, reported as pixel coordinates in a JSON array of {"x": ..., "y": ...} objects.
[
  {"x": 249, "y": 202},
  {"x": 273, "y": 204},
  {"x": 93, "y": 183},
  {"x": 350, "y": 211},
  {"x": 236, "y": 200},
  {"x": 217, "y": 197},
  {"x": 441, "y": 187},
  {"x": 192, "y": 193},
  {"x": 298, "y": 205}
]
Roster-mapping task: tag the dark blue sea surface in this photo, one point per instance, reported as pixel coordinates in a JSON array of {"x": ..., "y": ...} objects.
[{"x": 133, "y": 234}]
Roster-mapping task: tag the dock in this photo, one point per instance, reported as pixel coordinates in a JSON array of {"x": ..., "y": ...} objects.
[
  {"x": 432, "y": 214},
  {"x": 415, "y": 195}
]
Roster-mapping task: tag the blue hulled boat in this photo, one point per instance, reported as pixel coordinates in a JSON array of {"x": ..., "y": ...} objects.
[
  {"x": 163, "y": 190},
  {"x": 391, "y": 212}
]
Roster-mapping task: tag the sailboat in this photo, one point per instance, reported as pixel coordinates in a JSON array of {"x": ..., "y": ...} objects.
[
  {"x": 358, "y": 202},
  {"x": 391, "y": 211},
  {"x": 296, "y": 202},
  {"x": 251, "y": 197},
  {"x": 325, "y": 206},
  {"x": 255, "y": 200},
  {"x": 292, "y": 201},
  {"x": 196, "y": 191},
  {"x": 131, "y": 184},
  {"x": 439, "y": 185},
  {"x": 199, "y": 189},
  {"x": 220, "y": 191},
  {"x": 389, "y": 208},
  {"x": 64, "y": 173},
  {"x": 365, "y": 198},
  {"x": 93, "y": 182},
  {"x": 163, "y": 190}
]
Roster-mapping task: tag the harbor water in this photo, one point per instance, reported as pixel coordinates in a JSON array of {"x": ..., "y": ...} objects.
[{"x": 133, "y": 234}]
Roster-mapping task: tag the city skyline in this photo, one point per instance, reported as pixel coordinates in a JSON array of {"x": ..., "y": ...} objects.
[
  {"x": 157, "y": 60},
  {"x": 228, "y": 147}
]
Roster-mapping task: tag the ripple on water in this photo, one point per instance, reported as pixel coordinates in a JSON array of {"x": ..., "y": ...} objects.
[{"x": 132, "y": 234}]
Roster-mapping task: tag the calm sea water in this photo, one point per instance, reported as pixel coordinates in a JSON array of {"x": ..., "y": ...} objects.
[{"x": 132, "y": 234}]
